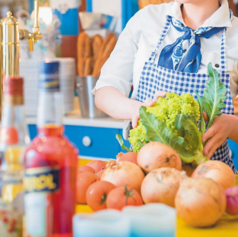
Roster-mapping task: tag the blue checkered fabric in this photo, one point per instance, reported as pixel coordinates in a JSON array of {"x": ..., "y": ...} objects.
[{"x": 155, "y": 78}]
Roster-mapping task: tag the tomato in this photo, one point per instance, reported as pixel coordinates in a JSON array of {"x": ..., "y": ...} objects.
[
  {"x": 84, "y": 180},
  {"x": 85, "y": 168},
  {"x": 129, "y": 156},
  {"x": 100, "y": 173},
  {"x": 97, "y": 165},
  {"x": 123, "y": 196},
  {"x": 97, "y": 194}
]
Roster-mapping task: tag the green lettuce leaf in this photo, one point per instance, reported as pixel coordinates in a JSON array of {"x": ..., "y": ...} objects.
[
  {"x": 157, "y": 130},
  {"x": 202, "y": 124},
  {"x": 121, "y": 142},
  {"x": 214, "y": 94}
]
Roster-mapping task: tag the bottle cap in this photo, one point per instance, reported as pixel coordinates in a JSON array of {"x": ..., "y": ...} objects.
[
  {"x": 49, "y": 76},
  {"x": 49, "y": 67}
]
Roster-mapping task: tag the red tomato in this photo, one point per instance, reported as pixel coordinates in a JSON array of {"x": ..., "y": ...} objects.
[
  {"x": 129, "y": 156},
  {"x": 84, "y": 180},
  {"x": 97, "y": 165},
  {"x": 97, "y": 194},
  {"x": 100, "y": 173},
  {"x": 85, "y": 168},
  {"x": 123, "y": 196}
]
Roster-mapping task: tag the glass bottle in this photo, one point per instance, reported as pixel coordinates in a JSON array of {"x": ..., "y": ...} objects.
[
  {"x": 13, "y": 140},
  {"x": 50, "y": 165}
]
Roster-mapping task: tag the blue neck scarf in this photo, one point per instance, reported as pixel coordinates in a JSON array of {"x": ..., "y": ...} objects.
[{"x": 184, "y": 54}]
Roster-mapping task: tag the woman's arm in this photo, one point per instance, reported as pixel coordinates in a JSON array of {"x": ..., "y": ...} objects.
[{"x": 111, "y": 101}]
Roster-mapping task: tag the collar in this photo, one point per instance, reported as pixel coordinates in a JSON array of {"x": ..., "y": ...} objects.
[{"x": 220, "y": 18}]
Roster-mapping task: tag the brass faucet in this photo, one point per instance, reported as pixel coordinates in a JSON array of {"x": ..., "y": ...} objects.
[{"x": 10, "y": 34}]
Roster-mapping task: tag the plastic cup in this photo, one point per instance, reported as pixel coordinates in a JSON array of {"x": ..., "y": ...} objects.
[
  {"x": 151, "y": 220},
  {"x": 105, "y": 223}
]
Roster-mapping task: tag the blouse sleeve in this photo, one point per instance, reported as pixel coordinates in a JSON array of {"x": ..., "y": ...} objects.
[{"x": 117, "y": 72}]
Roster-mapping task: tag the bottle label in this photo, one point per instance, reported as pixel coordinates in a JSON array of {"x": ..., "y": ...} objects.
[
  {"x": 42, "y": 179},
  {"x": 39, "y": 184},
  {"x": 49, "y": 82},
  {"x": 38, "y": 207}
]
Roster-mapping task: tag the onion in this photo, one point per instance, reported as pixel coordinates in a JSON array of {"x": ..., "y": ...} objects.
[
  {"x": 129, "y": 156},
  {"x": 232, "y": 201},
  {"x": 218, "y": 171},
  {"x": 200, "y": 202},
  {"x": 161, "y": 185},
  {"x": 156, "y": 155},
  {"x": 121, "y": 173}
]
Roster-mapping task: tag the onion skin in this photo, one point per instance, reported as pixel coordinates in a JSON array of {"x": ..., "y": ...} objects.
[
  {"x": 218, "y": 171},
  {"x": 156, "y": 155},
  {"x": 200, "y": 202},
  {"x": 232, "y": 201},
  {"x": 121, "y": 173},
  {"x": 161, "y": 186}
]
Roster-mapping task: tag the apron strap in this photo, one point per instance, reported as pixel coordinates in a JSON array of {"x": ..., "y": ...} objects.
[
  {"x": 164, "y": 33},
  {"x": 223, "y": 53}
]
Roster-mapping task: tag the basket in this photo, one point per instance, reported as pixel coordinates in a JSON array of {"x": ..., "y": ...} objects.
[{"x": 143, "y": 3}]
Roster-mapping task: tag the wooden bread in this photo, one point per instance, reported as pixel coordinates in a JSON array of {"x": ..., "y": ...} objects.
[
  {"x": 104, "y": 53},
  {"x": 84, "y": 48},
  {"x": 97, "y": 42}
]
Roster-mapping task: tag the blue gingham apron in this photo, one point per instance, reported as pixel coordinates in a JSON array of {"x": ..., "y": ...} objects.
[{"x": 156, "y": 78}]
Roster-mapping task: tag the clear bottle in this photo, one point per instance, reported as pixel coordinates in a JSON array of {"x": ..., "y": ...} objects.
[
  {"x": 13, "y": 140},
  {"x": 50, "y": 165}
]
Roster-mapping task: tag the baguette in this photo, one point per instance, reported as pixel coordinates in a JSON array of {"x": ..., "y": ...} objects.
[
  {"x": 97, "y": 42},
  {"x": 84, "y": 49},
  {"x": 81, "y": 63},
  {"x": 104, "y": 53},
  {"x": 88, "y": 66}
]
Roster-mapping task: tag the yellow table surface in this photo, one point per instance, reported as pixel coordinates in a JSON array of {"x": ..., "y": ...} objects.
[{"x": 224, "y": 228}]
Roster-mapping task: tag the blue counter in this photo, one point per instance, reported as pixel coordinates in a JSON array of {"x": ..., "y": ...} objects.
[{"x": 96, "y": 138}]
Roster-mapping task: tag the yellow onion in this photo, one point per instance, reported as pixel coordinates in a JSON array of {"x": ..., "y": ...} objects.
[
  {"x": 200, "y": 202},
  {"x": 121, "y": 173},
  {"x": 161, "y": 185},
  {"x": 156, "y": 155},
  {"x": 218, "y": 171}
]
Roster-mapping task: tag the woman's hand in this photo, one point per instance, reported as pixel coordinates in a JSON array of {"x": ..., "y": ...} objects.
[
  {"x": 148, "y": 102},
  {"x": 217, "y": 134}
]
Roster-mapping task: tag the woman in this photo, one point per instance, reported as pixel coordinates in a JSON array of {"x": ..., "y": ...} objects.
[{"x": 170, "y": 44}]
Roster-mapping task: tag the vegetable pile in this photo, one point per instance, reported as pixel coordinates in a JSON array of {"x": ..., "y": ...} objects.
[
  {"x": 168, "y": 135},
  {"x": 178, "y": 121}
]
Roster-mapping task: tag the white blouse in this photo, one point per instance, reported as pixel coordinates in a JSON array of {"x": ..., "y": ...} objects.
[{"x": 140, "y": 37}]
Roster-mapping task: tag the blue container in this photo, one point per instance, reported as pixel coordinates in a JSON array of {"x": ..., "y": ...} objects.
[{"x": 69, "y": 21}]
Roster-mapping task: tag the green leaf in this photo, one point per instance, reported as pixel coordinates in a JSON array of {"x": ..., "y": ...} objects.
[
  {"x": 157, "y": 130},
  {"x": 188, "y": 147},
  {"x": 192, "y": 148},
  {"x": 121, "y": 142},
  {"x": 202, "y": 125},
  {"x": 192, "y": 137},
  {"x": 213, "y": 96}
]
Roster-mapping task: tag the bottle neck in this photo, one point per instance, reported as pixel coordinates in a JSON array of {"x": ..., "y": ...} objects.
[
  {"x": 13, "y": 129},
  {"x": 49, "y": 116}
]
